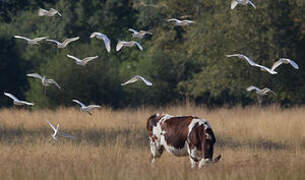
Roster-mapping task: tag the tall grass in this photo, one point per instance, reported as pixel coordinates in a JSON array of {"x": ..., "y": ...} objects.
[{"x": 256, "y": 143}]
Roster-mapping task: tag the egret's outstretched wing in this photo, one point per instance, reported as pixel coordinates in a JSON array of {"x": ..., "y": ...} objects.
[
  {"x": 173, "y": 19},
  {"x": 252, "y": 63},
  {"x": 106, "y": 42},
  {"x": 148, "y": 83},
  {"x": 40, "y": 38},
  {"x": 251, "y": 4},
  {"x": 119, "y": 45},
  {"x": 66, "y": 135},
  {"x": 291, "y": 62},
  {"x": 251, "y": 88},
  {"x": 241, "y": 56},
  {"x": 139, "y": 45},
  {"x": 95, "y": 34},
  {"x": 11, "y": 96},
  {"x": 42, "y": 12},
  {"x": 54, "y": 41},
  {"x": 266, "y": 90},
  {"x": 27, "y": 103},
  {"x": 54, "y": 82},
  {"x": 93, "y": 106},
  {"x": 22, "y": 37},
  {"x": 132, "y": 80},
  {"x": 233, "y": 4},
  {"x": 67, "y": 41},
  {"x": 73, "y": 57},
  {"x": 136, "y": 78},
  {"x": 132, "y": 30},
  {"x": 145, "y": 32},
  {"x": 51, "y": 125},
  {"x": 87, "y": 59},
  {"x": 78, "y": 102},
  {"x": 286, "y": 61},
  {"x": 52, "y": 12},
  {"x": 264, "y": 68},
  {"x": 189, "y": 21},
  {"x": 35, "y": 75}
]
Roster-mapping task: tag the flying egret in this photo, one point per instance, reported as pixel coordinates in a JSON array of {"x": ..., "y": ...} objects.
[
  {"x": 82, "y": 62},
  {"x": 57, "y": 132},
  {"x": 17, "y": 101},
  {"x": 259, "y": 91},
  {"x": 51, "y": 12},
  {"x": 63, "y": 44},
  {"x": 54, "y": 129},
  {"x": 284, "y": 61},
  {"x": 252, "y": 63},
  {"x": 85, "y": 108},
  {"x": 136, "y": 78},
  {"x": 31, "y": 41},
  {"x": 234, "y": 3},
  {"x": 128, "y": 44},
  {"x": 103, "y": 37},
  {"x": 139, "y": 34},
  {"x": 181, "y": 22},
  {"x": 45, "y": 82}
]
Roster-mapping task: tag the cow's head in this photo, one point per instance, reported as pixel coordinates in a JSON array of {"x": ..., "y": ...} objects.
[{"x": 209, "y": 146}]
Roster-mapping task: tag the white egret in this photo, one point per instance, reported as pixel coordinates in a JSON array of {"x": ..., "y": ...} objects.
[
  {"x": 45, "y": 82},
  {"x": 259, "y": 91},
  {"x": 234, "y": 3},
  {"x": 284, "y": 61},
  {"x": 63, "y": 44},
  {"x": 136, "y": 78},
  {"x": 82, "y": 62},
  {"x": 85, "y": 108},
  {"x": 51, "y": 12},
  {"x": 252, "y": 63},
  {"x": 17, "y": 101},
  {"x": 181, "y": 22},
  {"x": 31, "y": 41},
  {"x": 103, "y": 37},
  {"x": 128, "y": 44},
  {"x": 139, "y": 34}
]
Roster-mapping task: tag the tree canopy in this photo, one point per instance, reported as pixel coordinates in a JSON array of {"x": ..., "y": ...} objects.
[{"x": 183, "y": 63}]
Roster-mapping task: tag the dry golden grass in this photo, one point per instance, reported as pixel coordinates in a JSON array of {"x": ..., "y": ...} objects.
[{"x": 256, "y": 143}]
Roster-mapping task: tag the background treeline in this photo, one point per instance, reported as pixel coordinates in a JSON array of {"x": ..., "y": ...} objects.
[{"x": 183, "y": 63}]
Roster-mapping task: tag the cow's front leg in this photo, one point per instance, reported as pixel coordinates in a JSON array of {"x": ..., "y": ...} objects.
[
  {"x": 193, "y": 156},
  {"x": 156, "y": 149}
]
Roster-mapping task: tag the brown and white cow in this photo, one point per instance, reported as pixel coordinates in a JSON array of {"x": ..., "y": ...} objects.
[{"x": 181, "y": 136}]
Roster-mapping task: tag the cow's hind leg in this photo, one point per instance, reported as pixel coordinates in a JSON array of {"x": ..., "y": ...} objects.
[{"x": 156, "y": 149}]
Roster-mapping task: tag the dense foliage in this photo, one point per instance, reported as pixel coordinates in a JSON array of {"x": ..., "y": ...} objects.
[{"x": 184, "y": 63}]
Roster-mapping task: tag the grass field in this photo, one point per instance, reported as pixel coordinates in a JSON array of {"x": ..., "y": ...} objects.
[{"x": 256, "y": 143}]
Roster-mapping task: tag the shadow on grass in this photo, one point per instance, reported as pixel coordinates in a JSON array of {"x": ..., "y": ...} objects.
[{"x": 135, "y": 138}]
